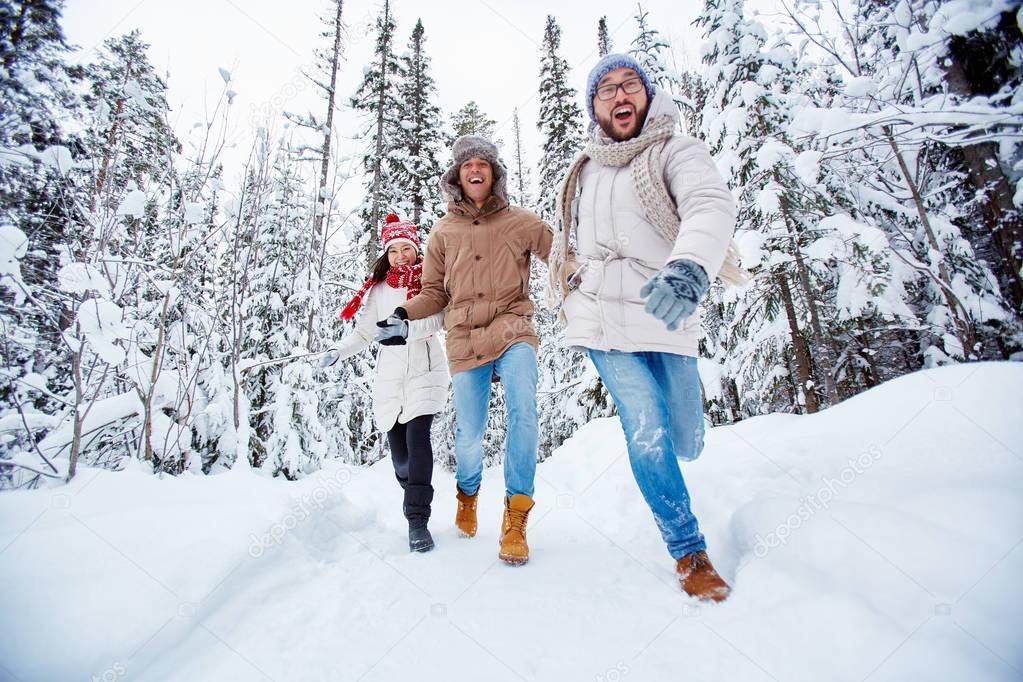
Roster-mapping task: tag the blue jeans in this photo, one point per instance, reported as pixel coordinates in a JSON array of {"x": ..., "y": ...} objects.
[
  {"x": 517, "y": 369},
  {"x": 659, "y": 405}
]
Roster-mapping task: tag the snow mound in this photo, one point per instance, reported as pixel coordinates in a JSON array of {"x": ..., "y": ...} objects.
[{"x": 880, "y": 539}]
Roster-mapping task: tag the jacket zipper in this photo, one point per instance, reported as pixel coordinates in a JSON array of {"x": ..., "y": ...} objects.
[{"x": 429, "y": 361}]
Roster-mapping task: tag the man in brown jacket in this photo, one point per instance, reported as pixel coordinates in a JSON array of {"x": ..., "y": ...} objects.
[{"x": 477, "y": 266}]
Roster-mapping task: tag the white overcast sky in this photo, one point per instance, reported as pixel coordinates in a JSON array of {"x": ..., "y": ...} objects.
[{"x": 486, "y": 50}]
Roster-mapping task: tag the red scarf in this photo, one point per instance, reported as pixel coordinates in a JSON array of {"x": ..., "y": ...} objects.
[{"x": 399, "y": 276}]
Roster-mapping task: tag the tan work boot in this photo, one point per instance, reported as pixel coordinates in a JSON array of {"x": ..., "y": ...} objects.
[
  {"x": 698, "y": 578},
  {"x": 465, "y": 515},
  {"x": 514, "y": 549}
]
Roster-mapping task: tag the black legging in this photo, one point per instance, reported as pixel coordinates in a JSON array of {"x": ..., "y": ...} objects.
[{"x": 411, "y": 451}]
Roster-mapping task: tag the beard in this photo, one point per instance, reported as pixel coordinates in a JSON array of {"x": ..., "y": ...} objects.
[{"x": 606, "y": 124}]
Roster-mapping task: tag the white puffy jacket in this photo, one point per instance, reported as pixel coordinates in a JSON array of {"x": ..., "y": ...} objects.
[
  {"x": 618, "y": 249},
  {"x": 411, "y": 380}
]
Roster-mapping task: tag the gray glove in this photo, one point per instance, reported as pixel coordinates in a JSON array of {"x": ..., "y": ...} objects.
[
  {"x": 394, "y": 330},
  {"x": 675, "y": 290},
  {"x": 329, "y": 358}
]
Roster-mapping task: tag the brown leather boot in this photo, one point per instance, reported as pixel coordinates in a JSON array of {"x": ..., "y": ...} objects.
[
  {"x": 699, "y": 579},
  {"x": 465, "y": 515},
  {"x": 514, "y": 549}
]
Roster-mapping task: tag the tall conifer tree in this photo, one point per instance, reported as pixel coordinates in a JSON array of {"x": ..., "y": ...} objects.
[{"x": 560, "y": 119}]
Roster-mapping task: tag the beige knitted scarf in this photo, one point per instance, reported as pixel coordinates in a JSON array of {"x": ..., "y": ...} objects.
[{"x": 644, "y": 154}]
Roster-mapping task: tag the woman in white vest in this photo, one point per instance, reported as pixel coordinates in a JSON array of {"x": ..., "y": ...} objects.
[{"x": 411, "y": 373}]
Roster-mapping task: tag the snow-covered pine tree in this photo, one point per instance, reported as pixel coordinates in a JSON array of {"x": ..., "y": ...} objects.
[
  {"x": 298, "y": 439},
  {"x": 256, "y": 407},
  {"x": 346, "y": 399},
  {"x": 279, "y": 394},
  {"x": 984, "y": 65},
  {"x": 470, "y": 120},
  {"x": 36, "y": 208},
  {"x": 328, "y": 431},
  {"x": 328, "y": 64},
  {"x": 283, "y": 377},
  {"x": 956, "y": 294},
  {"x": 319, "y": 429},
  {"x": 376, "y": 97},
  {"x": 121, "y": 265},
  {"x": 193, "y": 338},
  {"x": 246, "y": 303},
  {"x": 133, "y": 139},
  {"x": 520, "y": 177},
  {"x": 40, "y": 105},
  {"x": 653, "y": 52},
  {"x": 565, "y": 375},
  {"x": 845, "y": 267},
  {"x": 418, "y": 148},
  {"x": 559, "y": 121},
  {"x": 137, "y": 240},
  {"x": 604, "y": 45},
  {"x": 743, "y": 119},
  {"x": 692, "y": 92},
  {"x": 906, "y": 171}
]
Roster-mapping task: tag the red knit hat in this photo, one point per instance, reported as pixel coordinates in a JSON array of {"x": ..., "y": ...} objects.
[{"x": 395, "y": 230}]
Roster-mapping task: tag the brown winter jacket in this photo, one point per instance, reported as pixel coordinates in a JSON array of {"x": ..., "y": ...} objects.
[{"x": 477, "y": 265}]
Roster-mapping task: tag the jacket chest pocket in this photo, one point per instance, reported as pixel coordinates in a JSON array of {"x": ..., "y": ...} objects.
[
  {"x": 513, "y": 257},
  {"x": 454, "y": 259}
]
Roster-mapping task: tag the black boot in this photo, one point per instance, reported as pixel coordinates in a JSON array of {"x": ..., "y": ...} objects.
[{"x": 417, "y": 511}]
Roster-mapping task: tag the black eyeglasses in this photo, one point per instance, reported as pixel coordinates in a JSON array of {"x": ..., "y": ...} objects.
[{"x": 629, "y": 87}]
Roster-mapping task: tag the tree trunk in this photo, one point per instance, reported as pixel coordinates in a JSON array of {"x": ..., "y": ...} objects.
[
  {"x": 154, "y": 374},
  {"x": 800, "y": 347},
  {"x": 101, "y": 176},
  {"x": 76, "y": 439},
  {"x": 17, "y": 32},
  {"x": 375, "y": 216},
  {"x": 955, "y": 308},
  {"x": 825, "y": 349},
  {"x": 871, "y": 375},
  {"x": 1002, "y": 220},
  {"x": 318, "y": 239},
  {"x": 734, "y": 405},
  {"x": 520, "y": 188}
]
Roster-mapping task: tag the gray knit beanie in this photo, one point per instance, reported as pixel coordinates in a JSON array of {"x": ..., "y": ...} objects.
[{"x": 464, "y": 148}]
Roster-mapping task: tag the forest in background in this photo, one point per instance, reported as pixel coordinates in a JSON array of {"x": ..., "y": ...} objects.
[{"x": 152, "y": 311}]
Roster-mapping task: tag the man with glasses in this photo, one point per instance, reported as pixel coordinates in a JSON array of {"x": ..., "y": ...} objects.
[
  {"x": 652, "y": 223},
  {"x": 477, "y": 267}
]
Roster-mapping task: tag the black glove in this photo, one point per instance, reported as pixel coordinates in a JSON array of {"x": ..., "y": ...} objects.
[{"x": 394, "y": 330}]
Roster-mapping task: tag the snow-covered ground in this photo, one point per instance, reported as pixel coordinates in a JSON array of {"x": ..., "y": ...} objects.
[{"x": 881, "y": 540}]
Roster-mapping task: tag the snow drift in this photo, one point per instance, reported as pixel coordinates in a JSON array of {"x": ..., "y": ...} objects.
[{"x": 878, "y": 540}]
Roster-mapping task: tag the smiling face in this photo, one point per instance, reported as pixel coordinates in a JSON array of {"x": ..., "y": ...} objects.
[
  {"x": 622, "y": 116},
  {"x": 401, "y": 253},
  {"x": 476, "y": 177}
]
